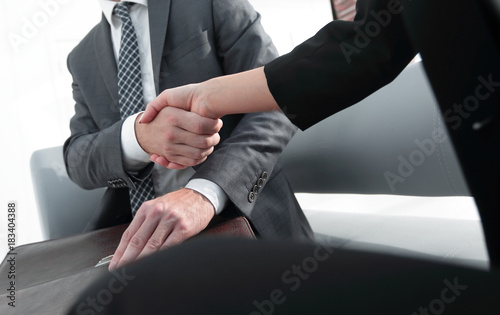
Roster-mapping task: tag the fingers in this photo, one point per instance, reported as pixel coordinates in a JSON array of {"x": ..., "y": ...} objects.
[
  {"x": 150, "y": 113},
  {"x": 166, "y": 163},
  {"x": 197, "y": 142},
  {"x": 163, "y": 237},
  {"x": 144, "y": 234},
  {"x": 161, "y": 223},
  {"x": 179, "y": 97},
  {"x": 182, "y": 138},
  {"x": 125, "y": 240},
  {"x": 184, "y": 155},
  {"x": 153, "y": 108},
  {"x": 191, "y": 122}
]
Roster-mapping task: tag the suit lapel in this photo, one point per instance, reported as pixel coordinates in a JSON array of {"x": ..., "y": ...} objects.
[
  {"x": 106, "y": 59},
  {"x": 159, "y": 11}
]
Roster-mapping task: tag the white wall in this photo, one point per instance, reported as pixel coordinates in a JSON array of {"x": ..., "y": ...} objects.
[{"x": 35, "y": 86}]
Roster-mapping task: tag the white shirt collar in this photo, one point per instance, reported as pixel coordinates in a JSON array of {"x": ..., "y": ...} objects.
[{"x": 108, "y": 5}]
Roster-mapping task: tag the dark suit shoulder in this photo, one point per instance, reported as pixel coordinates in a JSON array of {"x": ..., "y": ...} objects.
[{"x": 87, "y": 44}]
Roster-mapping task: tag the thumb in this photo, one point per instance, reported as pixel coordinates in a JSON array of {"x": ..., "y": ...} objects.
[
  {"x": 175, "y": 97},
  {"x": 151, "y": 111}
]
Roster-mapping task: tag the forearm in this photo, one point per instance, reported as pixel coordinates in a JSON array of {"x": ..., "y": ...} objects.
[
  {"x": 244, "y": 92},
  {"x": 92, "y": 159},
  {"x": 342, "y": 64}
]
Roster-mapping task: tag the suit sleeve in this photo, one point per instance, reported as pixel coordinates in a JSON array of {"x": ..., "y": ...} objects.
[
  {"x": 258, "y": 140},
  {"x": 342, "y": 64},
  {"x": 92, "y": 153}
]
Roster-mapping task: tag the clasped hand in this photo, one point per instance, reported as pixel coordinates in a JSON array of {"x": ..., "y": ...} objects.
[
  {"x": 180, "y": 99},
  {"x": 244, "y": 92},
  {"x": 182, "y": 138}
]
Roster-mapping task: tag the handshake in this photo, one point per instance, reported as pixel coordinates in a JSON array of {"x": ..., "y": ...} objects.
[
  {"x": 173, "y": 135},
  {"x": 180, "y": 127}
]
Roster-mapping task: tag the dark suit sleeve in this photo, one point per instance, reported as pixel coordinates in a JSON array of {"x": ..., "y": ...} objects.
[
  {"x": 258, "y": 140},
  {"x": 342, "y": 64},
  {"x": 93, "y": 153}
]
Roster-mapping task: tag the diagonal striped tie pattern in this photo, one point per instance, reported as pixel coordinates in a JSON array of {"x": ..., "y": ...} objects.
[{"x": 130, "y": 91}]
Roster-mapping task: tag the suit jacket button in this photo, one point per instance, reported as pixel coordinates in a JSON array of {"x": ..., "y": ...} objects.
[
  {"x": 264, "y": 175},
  {"x": 260, "y": 182},
  {"x": 255, "y": 189},
  {"x": 251, "y": 197}
]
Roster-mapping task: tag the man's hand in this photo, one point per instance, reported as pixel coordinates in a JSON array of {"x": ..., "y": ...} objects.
[
  {"x": 182, "y": 138},
  {"x": 161, "y": 223}
]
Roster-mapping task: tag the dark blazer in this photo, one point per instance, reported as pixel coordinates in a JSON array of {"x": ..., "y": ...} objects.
[
  {"x": 191, "y": 41},
  {"x": 459, "y": 44},
  {"x": 342, "y": 64}
]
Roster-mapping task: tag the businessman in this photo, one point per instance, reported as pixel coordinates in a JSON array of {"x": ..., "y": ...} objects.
[{"x": 179, "y": 42}]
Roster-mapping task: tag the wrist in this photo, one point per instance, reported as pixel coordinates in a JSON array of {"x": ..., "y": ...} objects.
[
  {"x": 134, "y": 157},
  {"x": 139, "y": 130},
  {"x": 202, "y": 97},
  {"x": 207, "y": 204},
  {"x": 211, "y": 191}
]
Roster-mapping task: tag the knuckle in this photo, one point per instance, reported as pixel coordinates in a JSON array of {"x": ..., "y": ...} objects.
[
  {"x": 169, "y": 136},
  {"x": 156, "y": 210},
  {"x": 182, "y": 227},
  {"x": 171, "y": 120},
  {"x": 153, "y": 245},
  {"x": 167, "y": 151},
  {"x": 127, "y": 235},
  {"x": 216, "y": 139},
  {"x": 145, "y": 205},
  {"x": 119, "y": 252},
  {"x": 203, "y": 154},
  {"x": 136, "y": 242},
  {"x": 206, "y": 142},
  {"x": 174, "y": 216},
  {"x": 198, "y": 154},
  {"x": 189, "y": 162}
]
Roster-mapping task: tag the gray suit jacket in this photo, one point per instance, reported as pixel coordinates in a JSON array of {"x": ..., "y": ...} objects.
[{"x": 191, "y": 41}]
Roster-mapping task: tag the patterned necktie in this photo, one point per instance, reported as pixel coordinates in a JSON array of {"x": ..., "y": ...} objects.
[{"x": 130, "y": 91}]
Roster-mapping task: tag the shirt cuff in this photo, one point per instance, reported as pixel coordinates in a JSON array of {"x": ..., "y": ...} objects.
[
  {"x": 211, "y": 191},
  {"x": 134, "y": 157}
]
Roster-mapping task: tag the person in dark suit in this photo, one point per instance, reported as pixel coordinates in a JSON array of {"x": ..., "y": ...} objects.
[{"x": 187, "y": 41}]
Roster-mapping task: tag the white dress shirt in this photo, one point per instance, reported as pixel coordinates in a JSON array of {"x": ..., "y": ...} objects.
[{"x": 134, "y": 157}]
